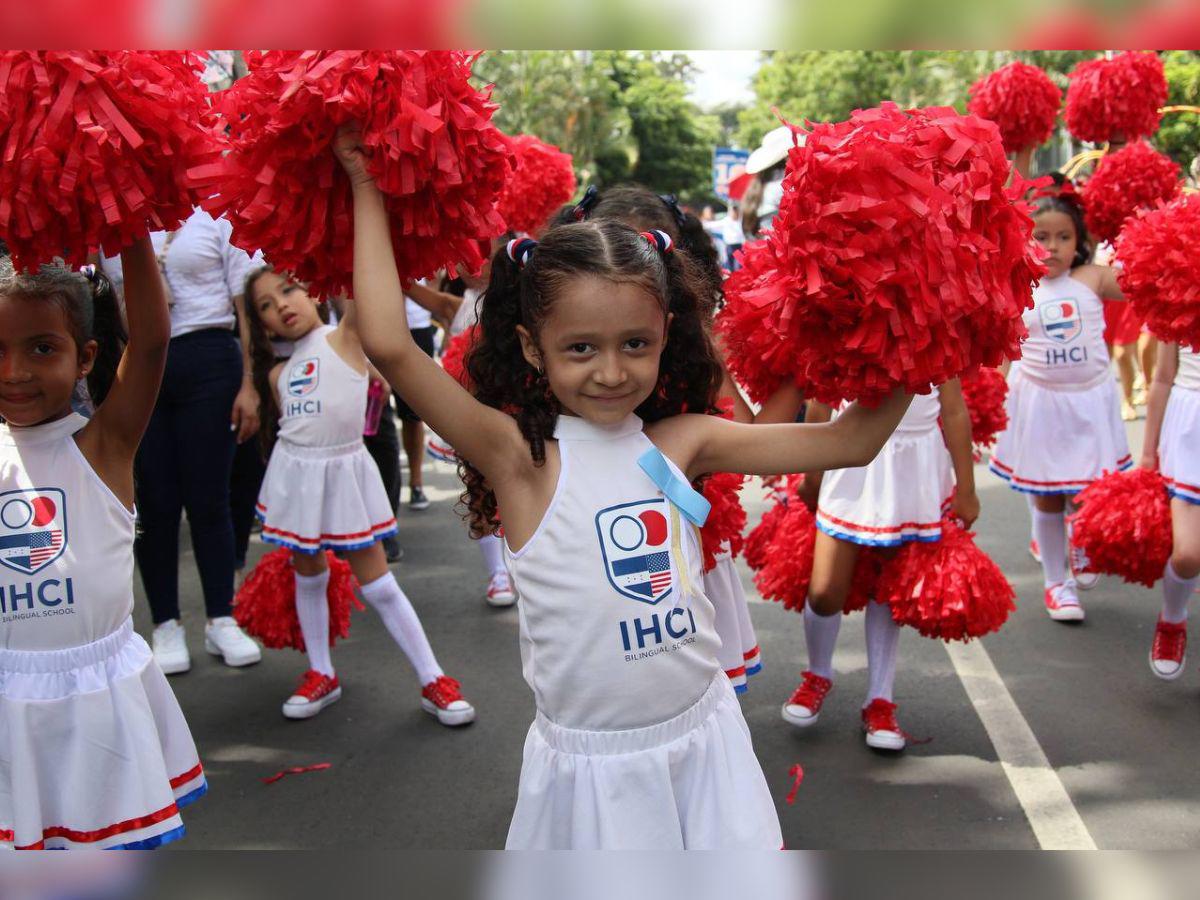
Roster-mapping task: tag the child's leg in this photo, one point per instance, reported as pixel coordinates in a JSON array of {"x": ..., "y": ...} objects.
[
  {"x": 1049, "y": 530},
  {"x": 1123, "y": 355},
  {"x": 382, "y": 591},
  {"x": 312, "y": 608},
  {"x": 833, "y": 570},
  {"x": 1147, "y": 356},
  {"x": 883, "y": 638},
  {"x": 1183, "y": 569}
]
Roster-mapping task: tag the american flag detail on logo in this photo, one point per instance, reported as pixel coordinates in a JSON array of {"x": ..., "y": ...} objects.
[{"x": 43, "y": 546}]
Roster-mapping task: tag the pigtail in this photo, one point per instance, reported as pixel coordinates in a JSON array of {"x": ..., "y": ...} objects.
[
  {"x": 262, "y": 360},
  {"x": 108, "y": 331}
]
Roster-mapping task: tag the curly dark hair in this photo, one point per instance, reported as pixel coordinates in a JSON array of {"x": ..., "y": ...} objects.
[
  {"x": 1070, "y": 205},
  {"x": 689, "y": 375},
  {"x": 642, "y": 209}
]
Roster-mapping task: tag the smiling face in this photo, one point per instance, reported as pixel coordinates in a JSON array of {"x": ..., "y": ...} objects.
[
  {"x": 1055, "y": 231},
  {"x": 599, "y": 347},
  {"x": 40, "y": 360},
  {"x": 285, "y": 309}
]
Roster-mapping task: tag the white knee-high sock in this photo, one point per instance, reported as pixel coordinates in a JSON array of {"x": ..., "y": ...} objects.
[
  {"x": 1029, "y": 501},
  {"x": 1176, "y": 594},
  {"x": 883, "y": 637},
  {"x": 312, "y": 609},
  {"x": 1051, "y": 536},
  {"x": 821, "y": 634},
  {"x": 398, "y": 615},
  {"x": 493, "y": 554}
]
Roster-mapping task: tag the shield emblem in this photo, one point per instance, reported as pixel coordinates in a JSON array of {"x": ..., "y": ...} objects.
[
  {"x": 635, "y": 541},
  {"x": 303, "y": 377},
  {"x": 1061, "y": 320},
  {"x": 33, "y": 528}
]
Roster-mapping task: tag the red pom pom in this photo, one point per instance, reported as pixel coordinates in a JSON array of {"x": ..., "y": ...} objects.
[
  {"x": 900, "y": 256},
  {"x": 543, "y": 180},
  {"x": 454, "y": 359},
  {"x": 788, "y": 555},
  {"x": 1160, "y": 269},
  {"x": 948, "y": 589},
  {"x": 984, "y": 392},
  {"x": 726, "y": 520},
  {"x": 758, "y": 541},
  {"x": 96, "y": 146},
  {"x": 865, "y": 582},
  {"x": 438, "y": 159},
  {"x": 1116, "y": 99},
  {"x": 266, "y": 602},
  {"x": 1022, "y": 101},
  {"x": 1124, "y": 525},
  {"x": 1135, "y": 177}
]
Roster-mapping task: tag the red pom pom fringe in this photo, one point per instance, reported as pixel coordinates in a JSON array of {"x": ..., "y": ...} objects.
[
  {"x": 947, "y": 589},
  {"x": 1124, "y": 525},
  {"x": 542, "y": 181},
  {"x": 1135, "y": 177},
  {"x": 726, "y": 520},
  {"x": 265, "y": 605},
  {"x": 1022, "y": 101},
  {"x": 1118, "y": 98},
  {"x": 435, "y": 154},
  {"x": 95, "y": 147},
  {"x": 900, "y": 256},
  {"x": 984, "y": 392},
  {"x": 454, "y": 359}
]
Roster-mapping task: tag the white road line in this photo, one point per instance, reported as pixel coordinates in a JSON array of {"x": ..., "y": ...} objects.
[{"x": 1055, "y": 821}]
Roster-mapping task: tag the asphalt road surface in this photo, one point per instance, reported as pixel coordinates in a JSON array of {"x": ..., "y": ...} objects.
[{"x": 1044, "y": 735}]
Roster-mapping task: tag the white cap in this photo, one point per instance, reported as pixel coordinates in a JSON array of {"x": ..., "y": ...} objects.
[{"x": 774, "y": 147}]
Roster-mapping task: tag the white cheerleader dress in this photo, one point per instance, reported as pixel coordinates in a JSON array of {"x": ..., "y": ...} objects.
[
  {"x": 94, "y": 750},
  {"x": 1064, "y": 422},
  {"x": 902, "y": 495},
  {"x": 322, "y": 489},
  {"x": 739, "y": 654},
  {"x": 1179, "y": 444},
  {"x": 639, "y": 741}
]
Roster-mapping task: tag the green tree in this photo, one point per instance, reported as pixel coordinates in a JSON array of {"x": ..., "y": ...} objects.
[{"x": 1179, "y": 134}]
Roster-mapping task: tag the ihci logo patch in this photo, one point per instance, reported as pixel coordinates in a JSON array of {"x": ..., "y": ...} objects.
[
  {"x": 33, "y": 528},
  {"x": 634, "y": 539},
  {"x": 1061, "y": 320},
  {"x": 303, "y": 377}
]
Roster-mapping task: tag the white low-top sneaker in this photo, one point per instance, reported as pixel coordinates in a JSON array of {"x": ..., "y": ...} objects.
[
  {"x": 500, "y": 592},
  {"x": 223, "y": 638},
  {"x": 169, "y": 642}
]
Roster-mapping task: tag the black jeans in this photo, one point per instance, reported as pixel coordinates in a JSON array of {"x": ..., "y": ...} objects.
[
  {"x": 249, "y": 467},
  {"x": 184, "y": 463},
  {"x": 384, "y": 447}
]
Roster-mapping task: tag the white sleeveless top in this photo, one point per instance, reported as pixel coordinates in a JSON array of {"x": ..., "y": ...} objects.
[
  {"x": 322, "y": 400},
  {"x": 66, "y": 542},
  {"x": 610, "y": 639},
  {"x": 1187, "y": 375},
  {"x": 921, "y": 416},
  {"x": 1065, "y": 347}
]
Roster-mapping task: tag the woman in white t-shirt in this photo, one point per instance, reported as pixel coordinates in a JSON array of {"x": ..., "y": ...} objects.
[{"x": 205, "y": 406}]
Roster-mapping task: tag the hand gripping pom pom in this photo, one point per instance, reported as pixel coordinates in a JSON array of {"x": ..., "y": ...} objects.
[
  {"x": 1161, "y": 269},
  {"x": 1022, "y": 101},
  {"x": 1116, "y": 99},
  {"x": 900, "y": 257},
  {"x": 438, "y": 160},
  {"x": 95, "y": 148},
  {"x": 947, "y": 589},
  {"x": 726, "y": 519},
  {"x": 265, "y": 605},
  {"x": 455, "y": 358},
  {"x": 984, "y": 393},
  {"x": 542, "y": 181},
  {"x": 1135, "y": 177},
  {"x": 1124, "y": 525}
]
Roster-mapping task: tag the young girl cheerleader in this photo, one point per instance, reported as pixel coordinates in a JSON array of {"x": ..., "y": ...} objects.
[
  {"x": 96, "y": 752},
  {"x": 592, "y": 344},
  {"x": 1064, "y": 422},
  {"x": 323, "y": 491},
  {"x": 922, "y": 472},
  {"x": 1173, "y": 442}
]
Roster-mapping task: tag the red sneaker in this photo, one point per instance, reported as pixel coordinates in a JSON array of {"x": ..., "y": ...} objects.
[
  {"x": 879, "y": 723},
  {"x": 316, "y": 691},
  {"x": 804, "y": 706},
  {"x": 1035, "y": 551},
  {"x": 442, "y": 698},
  {"x": 1062, "y": 603},
  {"x": 1085, "y": 576},
  {"x": 1169, "y": 650}
]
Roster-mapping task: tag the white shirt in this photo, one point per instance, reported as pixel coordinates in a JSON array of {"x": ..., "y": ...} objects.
[
  {"x": 322, "y": 400},
  {"x": 1065, "y": 348},
  {"x": 418, "y": 316},
  {"x": 1187, "y": 375},
  {"x": 204, "y": 271},
  {"x": 467, "y": 314}
]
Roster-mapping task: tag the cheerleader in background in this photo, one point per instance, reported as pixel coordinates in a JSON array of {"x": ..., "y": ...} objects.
[
  {"x": 1172, "y": 443},
  {"x": 1064, "y": 423}
]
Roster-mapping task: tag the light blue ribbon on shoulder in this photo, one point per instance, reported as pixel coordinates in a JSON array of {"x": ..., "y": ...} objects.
[{"x": 687, "y": 499}]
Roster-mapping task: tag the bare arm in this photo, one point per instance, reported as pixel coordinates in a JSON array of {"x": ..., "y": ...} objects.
[
  {"x": 1023, "y": 161},
  {"x": 1109, "y": 288},
  {"x": 783, "y": 405},
  {"x": 1156, "y": 402},
  {"x": 244, "y": 415},
  {"x": 810, "y": 488},
  {"x": 110, "y": 441},
  {"x": 441, "y": 305},
  {"x": 729, "y": 388},
  {"x": 956, "y": 427}
]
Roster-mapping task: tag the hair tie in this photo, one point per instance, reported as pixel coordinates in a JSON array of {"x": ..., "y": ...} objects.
[
  {"x": 589, "y": 199},
  {"x": 673, "y": 205},
  {"x": 520, "y": 249},
  {"x": 660, "y": 240}
]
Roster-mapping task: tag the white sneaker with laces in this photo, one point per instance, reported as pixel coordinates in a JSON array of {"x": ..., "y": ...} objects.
[
  {"x": 499, "y": 592},
  {"x": 170, "y": 647},
  {"x": 1062, "y": 603},
  {"x": 223, "y": 638},
  {"x": 1085, "y": 578}
]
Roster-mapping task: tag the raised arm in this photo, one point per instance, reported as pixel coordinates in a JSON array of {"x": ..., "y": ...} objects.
[
  {"x": 1156, "y": 401},
  {"x": 956, "y": 427},
  {"x": 486, "y": 437},
  {"x": 441, "y": 305}
]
